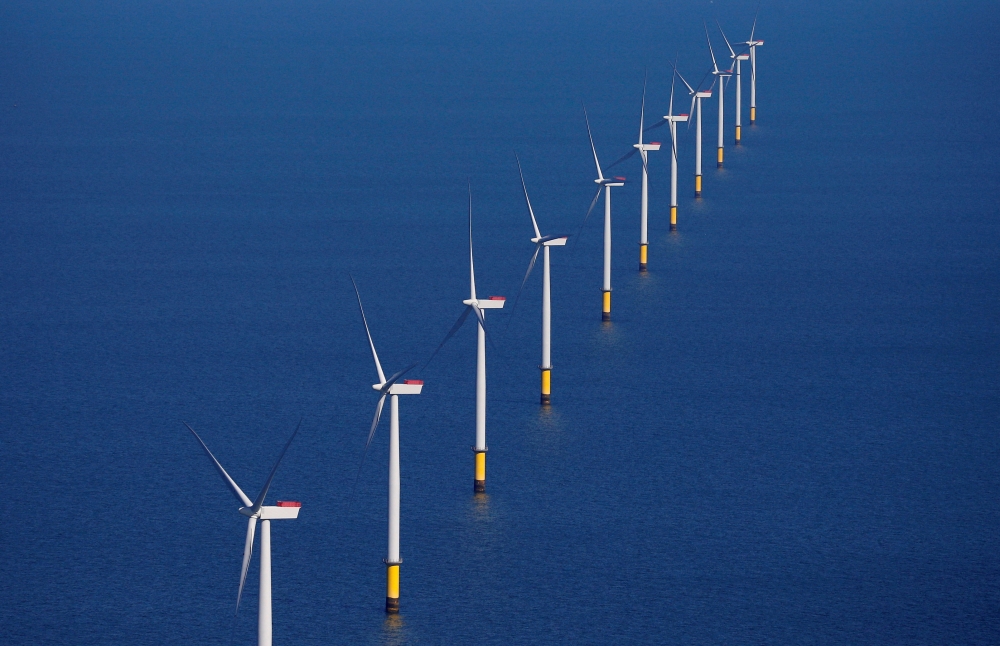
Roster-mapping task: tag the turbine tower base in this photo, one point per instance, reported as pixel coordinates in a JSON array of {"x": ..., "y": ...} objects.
[
  {"x": 737, "y": 135},
  {"x": 753, "y": 115},
  {"x": 697, "y": 185},
  {"x": 720, "y": 158},
  {"x": 479, "y": 486},
  {"x": 546, "y": 386},
  {"x": 642, "y": 257},
  {"x": 606, "y": 312},
  {"x": 673, "y": 218},
  {"x": 392, "y": 588}
]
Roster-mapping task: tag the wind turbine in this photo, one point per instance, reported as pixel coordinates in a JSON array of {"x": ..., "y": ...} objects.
[
  {"x": 720, "y": 76},
  {"x": 673, "y": 120},
  {"x": 257, "y": 511},
  {"x": 644, "y": 151},
  {"x": 542, "y": 244},
  {"x": 753, "y": 45},
  {"x": 477, "y": 305},
  {"x": 696, "y": 97},
  {"x": 390, "y": 388},
  {"x": 739, "y": 58},
  {"x": 603, "y": 184}
]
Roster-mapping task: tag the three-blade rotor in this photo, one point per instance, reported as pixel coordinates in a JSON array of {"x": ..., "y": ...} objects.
[{"x": 252, "y": 509}]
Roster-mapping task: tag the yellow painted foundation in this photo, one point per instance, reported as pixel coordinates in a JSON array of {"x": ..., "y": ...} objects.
[
  {"x": 753, "y": 114},
  {"x": 546, "y": 385},
  {"x": 737, "y": 134},
  {"x": 720, "y": 156},
  {"x": 697, "y": 185},
  {"x": 673, "y": 217},
  {"x": 392, "y": 589},
  {"x": 480, "y": 467},
  {"x": 606, "y": 312},
  {"x": 642, "y": 257}
]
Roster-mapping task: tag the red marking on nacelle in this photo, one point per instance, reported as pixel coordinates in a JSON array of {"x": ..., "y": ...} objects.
[
  {"x": 654, "y": 143},
  {"x": 498, "y": 298},
  {"x": 621, "y": 179},
  {"x": 289, "y": 503},
  {"x": 414, "y": 382}
]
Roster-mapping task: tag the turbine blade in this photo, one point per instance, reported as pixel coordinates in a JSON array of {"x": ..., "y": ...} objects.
[
  {"x": 531, "y": 265},
  {"x": 691, "y": 90},
  {"x": 374, "y": 426},
  {"x": 472, "y": 268},
  {"x": 378, "y": 366},
  {"x": 754, "y": 22},
  {"x": 732, "y": 54},
  {"x": 600, "y": 175},
  {"x": 267, "y": 484},
  {"x": 592, "y": 203},
  {"x": 371, "y": 434},
  {"x": 627, "y": 155},
  {"x": 531, "y": 212},
  {"x": 691, "y": 112},
  {"x": 482, "y": 322},
  {"x": 393, "y": 379},
  {"x": 702, "y": 82},
  {"x": 242, "y": 497},
  {"x": 247, "y": 553},
  {"x": 658, "y": 124},
  {"x": 642, "y": 109},
  {"x": 673, "y": 78},
  {"x": 715, "y": 66},
  {"x": 454, "y": 328}
]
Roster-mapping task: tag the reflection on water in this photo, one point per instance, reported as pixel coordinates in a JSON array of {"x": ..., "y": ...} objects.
[
  {"x": 481, "y": 507},
  {"x": 393, "y": 630}
]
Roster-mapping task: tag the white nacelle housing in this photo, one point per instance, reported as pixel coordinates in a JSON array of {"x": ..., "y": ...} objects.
[{"x": 491, "y": 303}]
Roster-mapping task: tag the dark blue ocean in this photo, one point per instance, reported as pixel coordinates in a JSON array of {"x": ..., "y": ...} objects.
[{"x": 788, "y": 434}]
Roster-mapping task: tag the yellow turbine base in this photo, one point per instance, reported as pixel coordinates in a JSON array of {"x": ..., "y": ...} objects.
[
  {"x": 720, "y": 157},
  {"x": 606, "y": 312},
  {"x": 642, "y": 257},
  {"x": 697, "y": 185},
  {"x": 480, "y": 467},
  {"x": 737, "y": 135},
  {"x": 392, "y": 589},
  {"x": 546, "y": 385},
  {"x": 753, "y": 114},
  {"x": 673, "y": 216}
]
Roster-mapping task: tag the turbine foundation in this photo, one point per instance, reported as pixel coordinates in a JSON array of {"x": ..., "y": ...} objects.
[
  {"x": 673, "y": 218},
  {"x": 642, "y": 257},
  {"x": 606, "y": 311},
  {"x": 546, "y": 386},
  {"x": 720, "y": 158},
  {"x": 392, "y": 588},
  {"x": 737, "y": 135},
  {"x": 753, "y": 114},
  {"x": 697, "y": 185},
  {"x": 480, "y": 484}
]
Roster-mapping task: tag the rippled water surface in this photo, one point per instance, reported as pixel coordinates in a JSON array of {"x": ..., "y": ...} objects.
[{"x": 788, "y": 433}]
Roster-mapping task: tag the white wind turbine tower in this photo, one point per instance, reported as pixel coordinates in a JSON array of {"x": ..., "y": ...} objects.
[
  {"x": 390, "y": 388},
  {"x": 720, "y": 77},
  {"x": 672, "y": 121},
  {"x": 256, "y": 511},
  {"x": 477, "y": 305},
  {"x": 603, "y": 184},
  {"x": 696, "y": 97},
  {"x": 739, "y": 58},
  {"x": 753, "y": 45},
  {"x": 643, "y": 150},
  {"x": 542, "y": 244}
]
